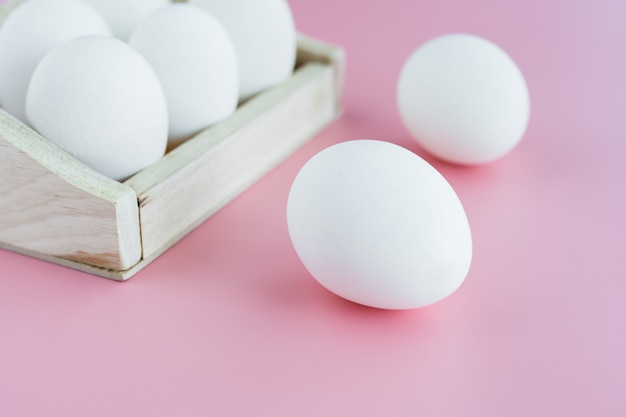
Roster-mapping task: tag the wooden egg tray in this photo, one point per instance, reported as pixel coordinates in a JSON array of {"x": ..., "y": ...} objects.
[{"x": 55, "y": 208}]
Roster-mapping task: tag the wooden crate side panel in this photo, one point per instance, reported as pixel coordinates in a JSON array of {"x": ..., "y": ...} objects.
[
  {"x": 55, "y": 206},
  {"x": 112, "y": 274},
  {"x": 224, "y": 160},
  {"x": 314, "y": 50}
]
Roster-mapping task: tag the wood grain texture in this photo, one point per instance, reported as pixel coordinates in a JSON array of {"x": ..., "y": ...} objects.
[
  {"x": 202, "y": 175},
  {"x": 52, "y": 204}
]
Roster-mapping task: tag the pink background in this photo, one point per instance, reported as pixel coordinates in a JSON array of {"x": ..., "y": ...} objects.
[{"x": 229, "y": 323}]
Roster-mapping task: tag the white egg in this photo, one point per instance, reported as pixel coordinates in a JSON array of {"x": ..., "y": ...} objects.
[
  {"x": 376, "y": 224},
  {"x": 29, "y": 33},
  {"x": 99, "y": 100},
  {"x": 124, "y": 15},
  {"x": 196, "y": 63},
  {"x": 463, "y": 99},
  {"x": 264, "y": 36}
]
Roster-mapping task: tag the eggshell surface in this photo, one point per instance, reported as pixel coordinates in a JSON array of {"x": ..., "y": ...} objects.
[
  {"x": 29, "y": 33},
  {"x": 196, "y": 63},
  {"x": 124, "y": 15},
  {"x": 463, "y": 99},
  {"x": 99, "y": 100},
  {"x": 264, "y": 36},
  {"x": 376, "y": 224}
]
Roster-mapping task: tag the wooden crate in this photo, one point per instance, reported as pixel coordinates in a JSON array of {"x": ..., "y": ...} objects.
[{"x": 55, "y": 208}]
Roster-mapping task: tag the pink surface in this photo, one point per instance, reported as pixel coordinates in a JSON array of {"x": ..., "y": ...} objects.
[{"x": 229, "y": 323}]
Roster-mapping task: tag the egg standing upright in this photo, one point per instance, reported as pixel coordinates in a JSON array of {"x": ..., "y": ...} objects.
[
  {"x": 264, "y": 35},
  {"x": 31, "y": 31}
]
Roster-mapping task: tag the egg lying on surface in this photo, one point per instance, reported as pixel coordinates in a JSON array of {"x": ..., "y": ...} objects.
[
  {"x": 29, "y": 33},
  {"x": 376, "y": 224},
  {"x": 264, "y": 36},
  {"x": 124, "y": 15},
  {"x": 196, "y": 63},
  {"x": 463, "y": 99},
  {"x": 99, "y": 100}
]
